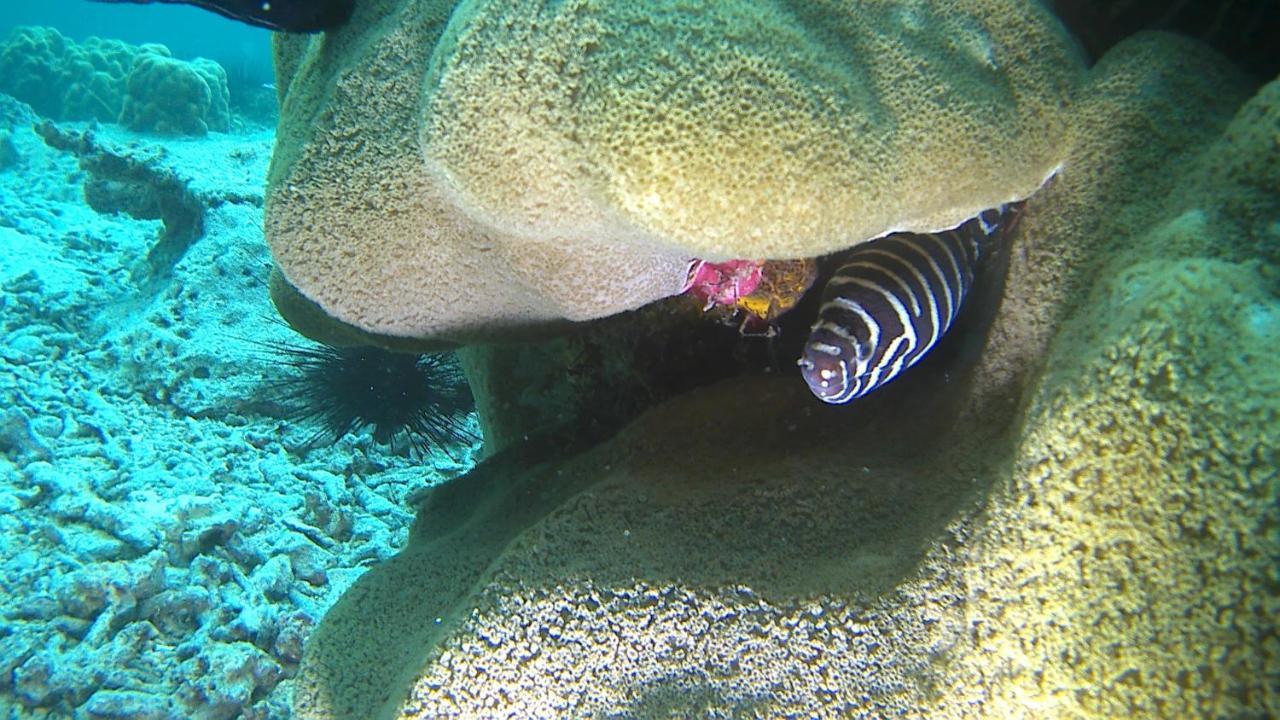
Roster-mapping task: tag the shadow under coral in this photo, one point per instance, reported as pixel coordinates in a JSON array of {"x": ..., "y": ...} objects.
[{"x": 749, "y": 482}]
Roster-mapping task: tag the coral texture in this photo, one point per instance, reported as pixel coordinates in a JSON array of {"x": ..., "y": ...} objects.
[
  {"x": 113, "y": 81},
  {"x": 745, "y": 129},
  {"x": 1108, "y": 550},
  {"x": 1128, "y": 565},
  {"x": 522, "y": 163},
  {"x": 174, "y": 97},
  {"x": 62, "y": 79}
]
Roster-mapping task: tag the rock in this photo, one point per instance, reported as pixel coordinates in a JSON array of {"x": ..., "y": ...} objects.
[
  {"x": 38, "y": 607},
  {"x": 177, "y": 612},
  {"x": 14, "y": 113},
  {"x": 221, "y": 681},
  {"x": 9, "y": 155},
  {"x": 108, "y": 593},
  {"x": 127, "y": 705},
  {"x": 14, "y": 651},
  {"x": 257, "y": 622},
  {"x": 273, "y": 578},
  {"x": 18, "y": 440},
  {"x": 308, "y": 564},
  {"x": 31, "y": 681},
  {"x": 294, "y": 630}
]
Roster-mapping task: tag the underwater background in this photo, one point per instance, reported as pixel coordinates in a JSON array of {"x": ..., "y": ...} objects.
[
  {"x": 1082, "y": 522},
  {"x": 168, "y": 540}
]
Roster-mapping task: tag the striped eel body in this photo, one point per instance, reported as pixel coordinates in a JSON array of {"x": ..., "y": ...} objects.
[{"x": 888, "y": 305}]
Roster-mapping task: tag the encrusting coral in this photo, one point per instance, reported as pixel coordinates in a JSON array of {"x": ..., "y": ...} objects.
[
  {"x": 452, "y": 176},
  {"x": 1141, "y": 502},
  {"x": 1133, "y": 568},
  {"x": 1108, "y": 550}
]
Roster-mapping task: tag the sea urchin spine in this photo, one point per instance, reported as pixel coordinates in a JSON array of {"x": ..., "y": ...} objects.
[{"x": 421, "y": 400}]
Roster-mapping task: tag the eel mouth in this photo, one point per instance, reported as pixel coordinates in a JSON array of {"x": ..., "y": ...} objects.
[{"x": 824, "y": 369}]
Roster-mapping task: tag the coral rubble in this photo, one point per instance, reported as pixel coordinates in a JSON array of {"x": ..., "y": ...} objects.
[{"x": 168, "y": 540}]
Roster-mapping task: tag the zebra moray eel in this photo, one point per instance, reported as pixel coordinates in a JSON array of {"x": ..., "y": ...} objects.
[{"x": 888, "y": 305}]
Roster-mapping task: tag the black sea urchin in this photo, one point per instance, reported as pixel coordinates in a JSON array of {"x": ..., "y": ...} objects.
[{"x": 419, "y": 400}]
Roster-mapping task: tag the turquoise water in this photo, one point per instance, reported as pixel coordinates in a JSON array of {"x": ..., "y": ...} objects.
[
  {"x": 187, "y": 485},
  {"x": 189, "y": 32}
]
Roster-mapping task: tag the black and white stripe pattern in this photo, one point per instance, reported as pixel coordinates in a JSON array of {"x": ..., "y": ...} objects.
[{"x": 888, "y": 305}]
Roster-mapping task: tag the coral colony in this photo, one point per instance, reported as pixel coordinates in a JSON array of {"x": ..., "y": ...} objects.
[{"x": 642, "y": 359}]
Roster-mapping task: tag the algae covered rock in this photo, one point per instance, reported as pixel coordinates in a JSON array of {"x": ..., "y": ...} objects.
[
  {"x": 1081, "y": 524},
  {"x": 452, "y": 174}
]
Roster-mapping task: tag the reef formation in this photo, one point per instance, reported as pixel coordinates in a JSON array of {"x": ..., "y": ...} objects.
[
  {"x": 1079, "y": 521},
  {"x": 552, "y": 163},
  {"x": 141, "y": 87}
]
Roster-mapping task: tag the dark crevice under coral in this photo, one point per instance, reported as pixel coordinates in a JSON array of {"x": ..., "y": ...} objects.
[{"x": 1243, "y": 30}]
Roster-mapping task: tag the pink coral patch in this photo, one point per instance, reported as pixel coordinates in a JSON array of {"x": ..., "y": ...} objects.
[{"x": 723, "y": 283}]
